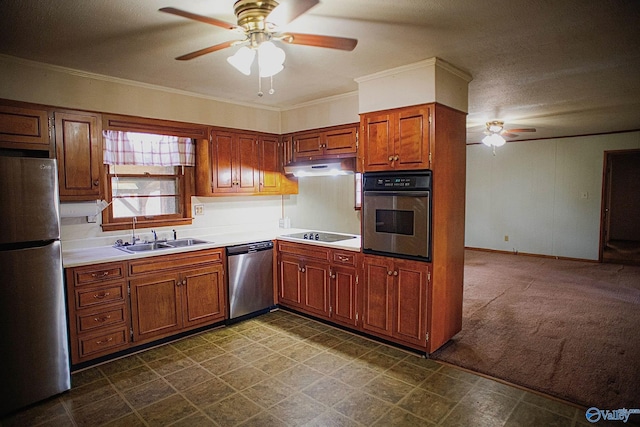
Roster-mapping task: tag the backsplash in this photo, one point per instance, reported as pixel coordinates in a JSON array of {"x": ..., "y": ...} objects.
[{"x": 323, "y": 204}]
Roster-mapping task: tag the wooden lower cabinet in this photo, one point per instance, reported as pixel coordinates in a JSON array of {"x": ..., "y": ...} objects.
[
  {"x": 310, "y": 281},
  {"x": 98, "y": 308},
  {"x": 394, "y": 299},
  {"x": 116, "y": 306}
]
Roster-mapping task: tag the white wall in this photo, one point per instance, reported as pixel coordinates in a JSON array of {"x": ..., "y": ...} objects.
[
  {"x": 532, "y": 191},
  {"x": 325, "y": 203},
  {"x": 45, "y": 84}
]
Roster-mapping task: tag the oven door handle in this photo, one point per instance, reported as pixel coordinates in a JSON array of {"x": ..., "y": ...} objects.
[{"x": 396, "y": 193}]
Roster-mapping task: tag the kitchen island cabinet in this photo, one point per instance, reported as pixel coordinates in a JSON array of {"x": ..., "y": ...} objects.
[
  {"x": 395, "y": 299},
  {"x": 318, "y": 281}
]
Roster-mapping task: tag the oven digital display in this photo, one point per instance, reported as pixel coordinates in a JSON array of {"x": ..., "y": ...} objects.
[{"x": 394, "y": 221}]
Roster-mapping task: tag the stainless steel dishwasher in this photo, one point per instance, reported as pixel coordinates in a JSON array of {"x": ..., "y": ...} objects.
[{"x": 250, "y": 279}]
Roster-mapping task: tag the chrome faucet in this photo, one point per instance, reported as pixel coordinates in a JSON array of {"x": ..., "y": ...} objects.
[{"x": 133, "y": 234}]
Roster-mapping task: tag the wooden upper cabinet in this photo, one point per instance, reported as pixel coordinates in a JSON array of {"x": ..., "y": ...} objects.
[
  {"x": 24, "y": 128},
  {"x": 326, "y": 143},
  {"x": 270, "y": 164},
  {"x": 79, "y": 154},
  {"x": 234, "y": 160},
  {"x": 396, "y": 139}
]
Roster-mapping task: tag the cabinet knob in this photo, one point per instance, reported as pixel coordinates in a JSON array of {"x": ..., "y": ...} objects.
[
  {"x": 333, "y": 276},
  {"x": 302, "y": 269},
  {"x": 96, "y": 183},
  {"x": 395, "y": 273},
  {"x": 389, "y": 273},
  {"x": 184, "y": 282},
  {"x": 391, "y": 158},
  {"x": 396, "y": 158}
]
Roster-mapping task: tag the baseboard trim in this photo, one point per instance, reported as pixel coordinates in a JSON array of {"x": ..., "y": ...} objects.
[{"x": 595, "y": 261}]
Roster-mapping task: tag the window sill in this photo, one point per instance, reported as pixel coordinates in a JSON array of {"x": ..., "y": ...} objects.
[{"x": 144, "y": 223}]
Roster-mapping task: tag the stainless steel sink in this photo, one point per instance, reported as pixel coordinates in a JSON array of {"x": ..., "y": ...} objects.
[
  {"x": 155, "y": 246},
  {"x": 144, "y": 247},
  {"x": 180, "y": 243}
]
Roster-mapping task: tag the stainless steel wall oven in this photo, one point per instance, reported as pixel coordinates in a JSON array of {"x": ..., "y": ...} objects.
[{"x": 396, "y": 214}]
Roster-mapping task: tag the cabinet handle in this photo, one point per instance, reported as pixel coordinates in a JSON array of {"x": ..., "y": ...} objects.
[
  {"x": 102, "y": 319},
  {"x": 343, "y": 258},
  {"x": 101, "y": 295},
  {"x": 108, "y": 340},
  {"x": 100, "y": 274}
]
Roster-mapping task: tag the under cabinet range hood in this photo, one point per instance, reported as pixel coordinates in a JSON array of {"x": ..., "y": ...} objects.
[{"x": 322, "y": 167}]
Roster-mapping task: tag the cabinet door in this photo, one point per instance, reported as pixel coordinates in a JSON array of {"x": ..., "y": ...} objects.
[
  {"x": 290, "y": 271},
  {"x": 287, "y": 146},
  {"x": 222, "y": 158},
  {"x": 79, "y": 154},
  {"x": 315, "y": 288},
  {"x": 340, "y": 141},
  {"x": 245, "y": 164},
  {"x": 343, "y": 295},
  {"x": 155, "y": 307},
  {"x": 24, "y": 128},
  {"x": 410, "y": 313},
  {"x": 377, "y": 310},
  {"x": 378, "y": 141},
  {"x": 412, "y": 139},
  {"x": 203, "y": 295},
  {"x": 307, "y": 146},
  {"x": 270, "y": 170}
]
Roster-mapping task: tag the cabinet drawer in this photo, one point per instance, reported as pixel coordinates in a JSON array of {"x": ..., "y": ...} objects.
[
  {"x": 103, "y": 342},
  {"x": 98, "y": 273},
  {"x": 102, "y": 295},
  {"x": 99, "y": 319},
  {"x": 170, "y": 262},
  {"x": 305, "y": 250},
  {"x": 344, "y": 258}
]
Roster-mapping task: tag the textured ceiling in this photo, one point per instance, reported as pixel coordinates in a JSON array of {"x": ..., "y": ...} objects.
[{"x": 569, "y": 67}]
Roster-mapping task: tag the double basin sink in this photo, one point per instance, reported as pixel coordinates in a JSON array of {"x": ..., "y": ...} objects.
[{"x": 158, "y": 245}]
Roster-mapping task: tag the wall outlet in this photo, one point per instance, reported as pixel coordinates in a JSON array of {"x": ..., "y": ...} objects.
[
  {"x": 199, "y": 209},
  {"x": 506, "y": 238}
]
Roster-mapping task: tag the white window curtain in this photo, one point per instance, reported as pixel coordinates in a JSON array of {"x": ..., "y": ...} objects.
[{"x": 132, "y": 148}]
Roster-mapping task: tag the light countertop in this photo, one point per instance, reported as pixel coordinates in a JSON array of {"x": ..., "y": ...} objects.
[{"x": 102, "y": 254}]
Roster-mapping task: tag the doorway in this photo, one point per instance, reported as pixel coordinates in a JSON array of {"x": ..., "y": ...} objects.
[{"x": 620, "y": 240}]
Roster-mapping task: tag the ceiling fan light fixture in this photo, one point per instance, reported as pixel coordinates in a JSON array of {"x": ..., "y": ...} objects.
[
  {"x": 270, "y": 59},
  {"x": 494, "y": 140},
  {"x": 495, "y": 126},
  {"x": 242, "y": 60}
]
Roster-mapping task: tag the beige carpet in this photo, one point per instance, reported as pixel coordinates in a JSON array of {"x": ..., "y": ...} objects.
[{"x": 570, "y": 329}]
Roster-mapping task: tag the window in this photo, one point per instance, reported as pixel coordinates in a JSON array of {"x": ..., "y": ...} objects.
[{"x": 147, "y": 180}]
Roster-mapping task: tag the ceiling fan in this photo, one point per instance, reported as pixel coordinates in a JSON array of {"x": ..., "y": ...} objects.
[
  {"x": 496, "y": 133},
  {"x": 259, "y": 21}
]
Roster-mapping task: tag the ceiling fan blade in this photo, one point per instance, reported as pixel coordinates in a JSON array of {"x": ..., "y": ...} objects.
[
  {"x": 206, "y": 50},
  {"x": 522, "y": 130},
  {"x": 205, "y": 19},
  {"x": 331, "y": 42},
  {"x": 289, "y": 10},
  {"x": 508, "y": 134}
]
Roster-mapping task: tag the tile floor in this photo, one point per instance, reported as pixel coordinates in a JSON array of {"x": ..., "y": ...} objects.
[{"x": 281, "y": 369}]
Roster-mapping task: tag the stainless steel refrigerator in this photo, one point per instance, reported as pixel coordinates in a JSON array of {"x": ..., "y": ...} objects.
[{"x": 34, "y": 355}]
